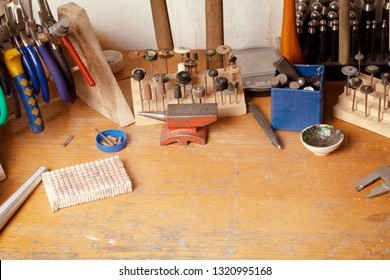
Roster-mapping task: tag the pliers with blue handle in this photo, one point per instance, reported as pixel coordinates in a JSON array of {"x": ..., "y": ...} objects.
[
  {"x": 31, "y": 52},
  {"x": 30, "y": 58},
  {"x": 59, "y": 30},
  {"x": 13, "y": 61},
  {"x": 26, "y": 59},
  {"x": 62, "y": 79}
]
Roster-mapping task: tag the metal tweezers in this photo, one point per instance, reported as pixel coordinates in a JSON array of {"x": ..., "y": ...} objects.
[{"x": 381, "y": 173}]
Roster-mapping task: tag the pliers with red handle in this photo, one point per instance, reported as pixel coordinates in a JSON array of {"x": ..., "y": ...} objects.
[
  {"x": 66, "y": 89},
  {"x": 51, "y": 26}
]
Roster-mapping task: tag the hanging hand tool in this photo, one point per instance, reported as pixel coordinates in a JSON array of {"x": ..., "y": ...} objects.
[
  {"x": 13, "y": 61},
  {"x": 312, "y": 50},
  {"x": 355, "y": 38},
  {"x": 373, "y": 39},
  {"x": 323, "y": 41},
  {"x": 21, "y": 32},
  {"x": 344, "y": 32},
  {"x": 290, "y": 46},
  {"x": 8, "y": 86},
  {"x": 53, "y": 27},
  {"x": 26, "y": 59},
  {"x": 335, "y": 41},
  {"x": 65, "y": 86},
  {"x": 3, "y": 108},
  {"x": 384, "y": 30}
]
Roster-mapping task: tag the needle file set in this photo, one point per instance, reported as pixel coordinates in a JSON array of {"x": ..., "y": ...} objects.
[{"x": 86, "y": 182}]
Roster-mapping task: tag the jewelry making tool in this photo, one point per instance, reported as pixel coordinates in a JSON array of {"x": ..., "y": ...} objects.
[
  {"x": 381, "y": 173},
  {"x": 264, "y": 125},
  {"x": 185, "y": 122},
  {"x": 13, "y": 61},
  {"x": 60, "y": 30},
  {"x": 12, "y": 204},
  {"x": 86, "y": 182}
]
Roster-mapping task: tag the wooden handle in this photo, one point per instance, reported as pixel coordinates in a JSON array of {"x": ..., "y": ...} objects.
[
  {"x": 344, "y": 32},
  {"x": 214, "y": 28},
  {"x": 290, "y": 46},
  {"x": 161, "y": 23}
]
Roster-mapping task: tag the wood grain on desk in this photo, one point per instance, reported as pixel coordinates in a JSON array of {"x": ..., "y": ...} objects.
[{"x": 237, "y": 197}]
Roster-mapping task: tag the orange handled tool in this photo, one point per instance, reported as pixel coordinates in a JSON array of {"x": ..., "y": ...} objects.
[{"x": 290, "y": 46}]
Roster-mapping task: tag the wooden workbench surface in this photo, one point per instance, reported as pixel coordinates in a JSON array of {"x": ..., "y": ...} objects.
[{"x": 237, "y": 197}]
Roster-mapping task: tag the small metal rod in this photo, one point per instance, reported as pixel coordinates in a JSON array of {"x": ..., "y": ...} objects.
[
  {"x": 105, "y": 138},
  {"x": 205, "y": 82},
  {"x": 155, "y": 93},
  {"x": 353, "y": 101},
  {"x": 379, "y": 107}
]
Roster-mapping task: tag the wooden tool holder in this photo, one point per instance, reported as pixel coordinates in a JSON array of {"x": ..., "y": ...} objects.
[
  {"x": 225, "y": 109},
  {"x": 106, "y": 97},
  {"x": 378, "y": 124},
  {"x": 3, "y": 176}
]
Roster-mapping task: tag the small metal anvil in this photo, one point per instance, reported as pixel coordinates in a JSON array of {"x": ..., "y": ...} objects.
[{"x": 185, "y": 122}]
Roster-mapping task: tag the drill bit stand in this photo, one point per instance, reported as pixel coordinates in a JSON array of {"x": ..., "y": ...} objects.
[
  {"x": 185, "y": 122},
  {"x": 367, "y": 110},
  {"x": 229, "y": 103}
]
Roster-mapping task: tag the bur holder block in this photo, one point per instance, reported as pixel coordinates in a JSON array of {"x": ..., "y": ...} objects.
[
  {"x": 343, "y": 109},
  {"x": 297, "y": 109},
  {"x": 156, "y": 104}
]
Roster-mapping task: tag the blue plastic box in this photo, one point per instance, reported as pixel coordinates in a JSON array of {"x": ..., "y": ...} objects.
[{"x": 297, "y": 109}]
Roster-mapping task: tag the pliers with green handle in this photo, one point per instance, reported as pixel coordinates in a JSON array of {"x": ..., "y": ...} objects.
[{"x": 3, "y": 108}]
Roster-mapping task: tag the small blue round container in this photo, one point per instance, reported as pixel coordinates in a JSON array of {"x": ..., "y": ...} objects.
[{"x": 112, "y": 149}]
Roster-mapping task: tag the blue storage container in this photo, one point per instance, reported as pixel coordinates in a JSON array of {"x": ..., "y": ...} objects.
[{"x": 297, "y": 109}]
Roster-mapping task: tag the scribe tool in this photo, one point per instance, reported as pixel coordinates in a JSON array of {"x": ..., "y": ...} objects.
[{"x": 264, "y": 125}]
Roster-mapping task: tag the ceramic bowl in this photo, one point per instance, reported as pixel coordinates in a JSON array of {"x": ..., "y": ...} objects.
[{"x": 321, "y": 139}]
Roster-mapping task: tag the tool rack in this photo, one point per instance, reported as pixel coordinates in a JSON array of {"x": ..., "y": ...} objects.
[
  {"x": 378, "y": 124},
  {"x": 106, "y": 97},
  {"x": 225, "y": 109}
]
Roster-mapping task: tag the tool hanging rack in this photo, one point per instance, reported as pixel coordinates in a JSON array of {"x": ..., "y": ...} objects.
[
  {"x": 61, "y": 58},
  {"x": 323, "y": 37}
]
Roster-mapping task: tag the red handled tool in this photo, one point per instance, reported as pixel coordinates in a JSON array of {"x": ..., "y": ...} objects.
[
  {"x": 64, "y": 82},
  {"x": 60, "y": 29}
]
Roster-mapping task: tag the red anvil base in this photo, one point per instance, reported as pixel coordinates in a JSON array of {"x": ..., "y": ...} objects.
[{"x": 183, "y": 135}]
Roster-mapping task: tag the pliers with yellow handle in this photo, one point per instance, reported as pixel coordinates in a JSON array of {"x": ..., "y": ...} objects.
[{"x": 13, "y": 61}]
